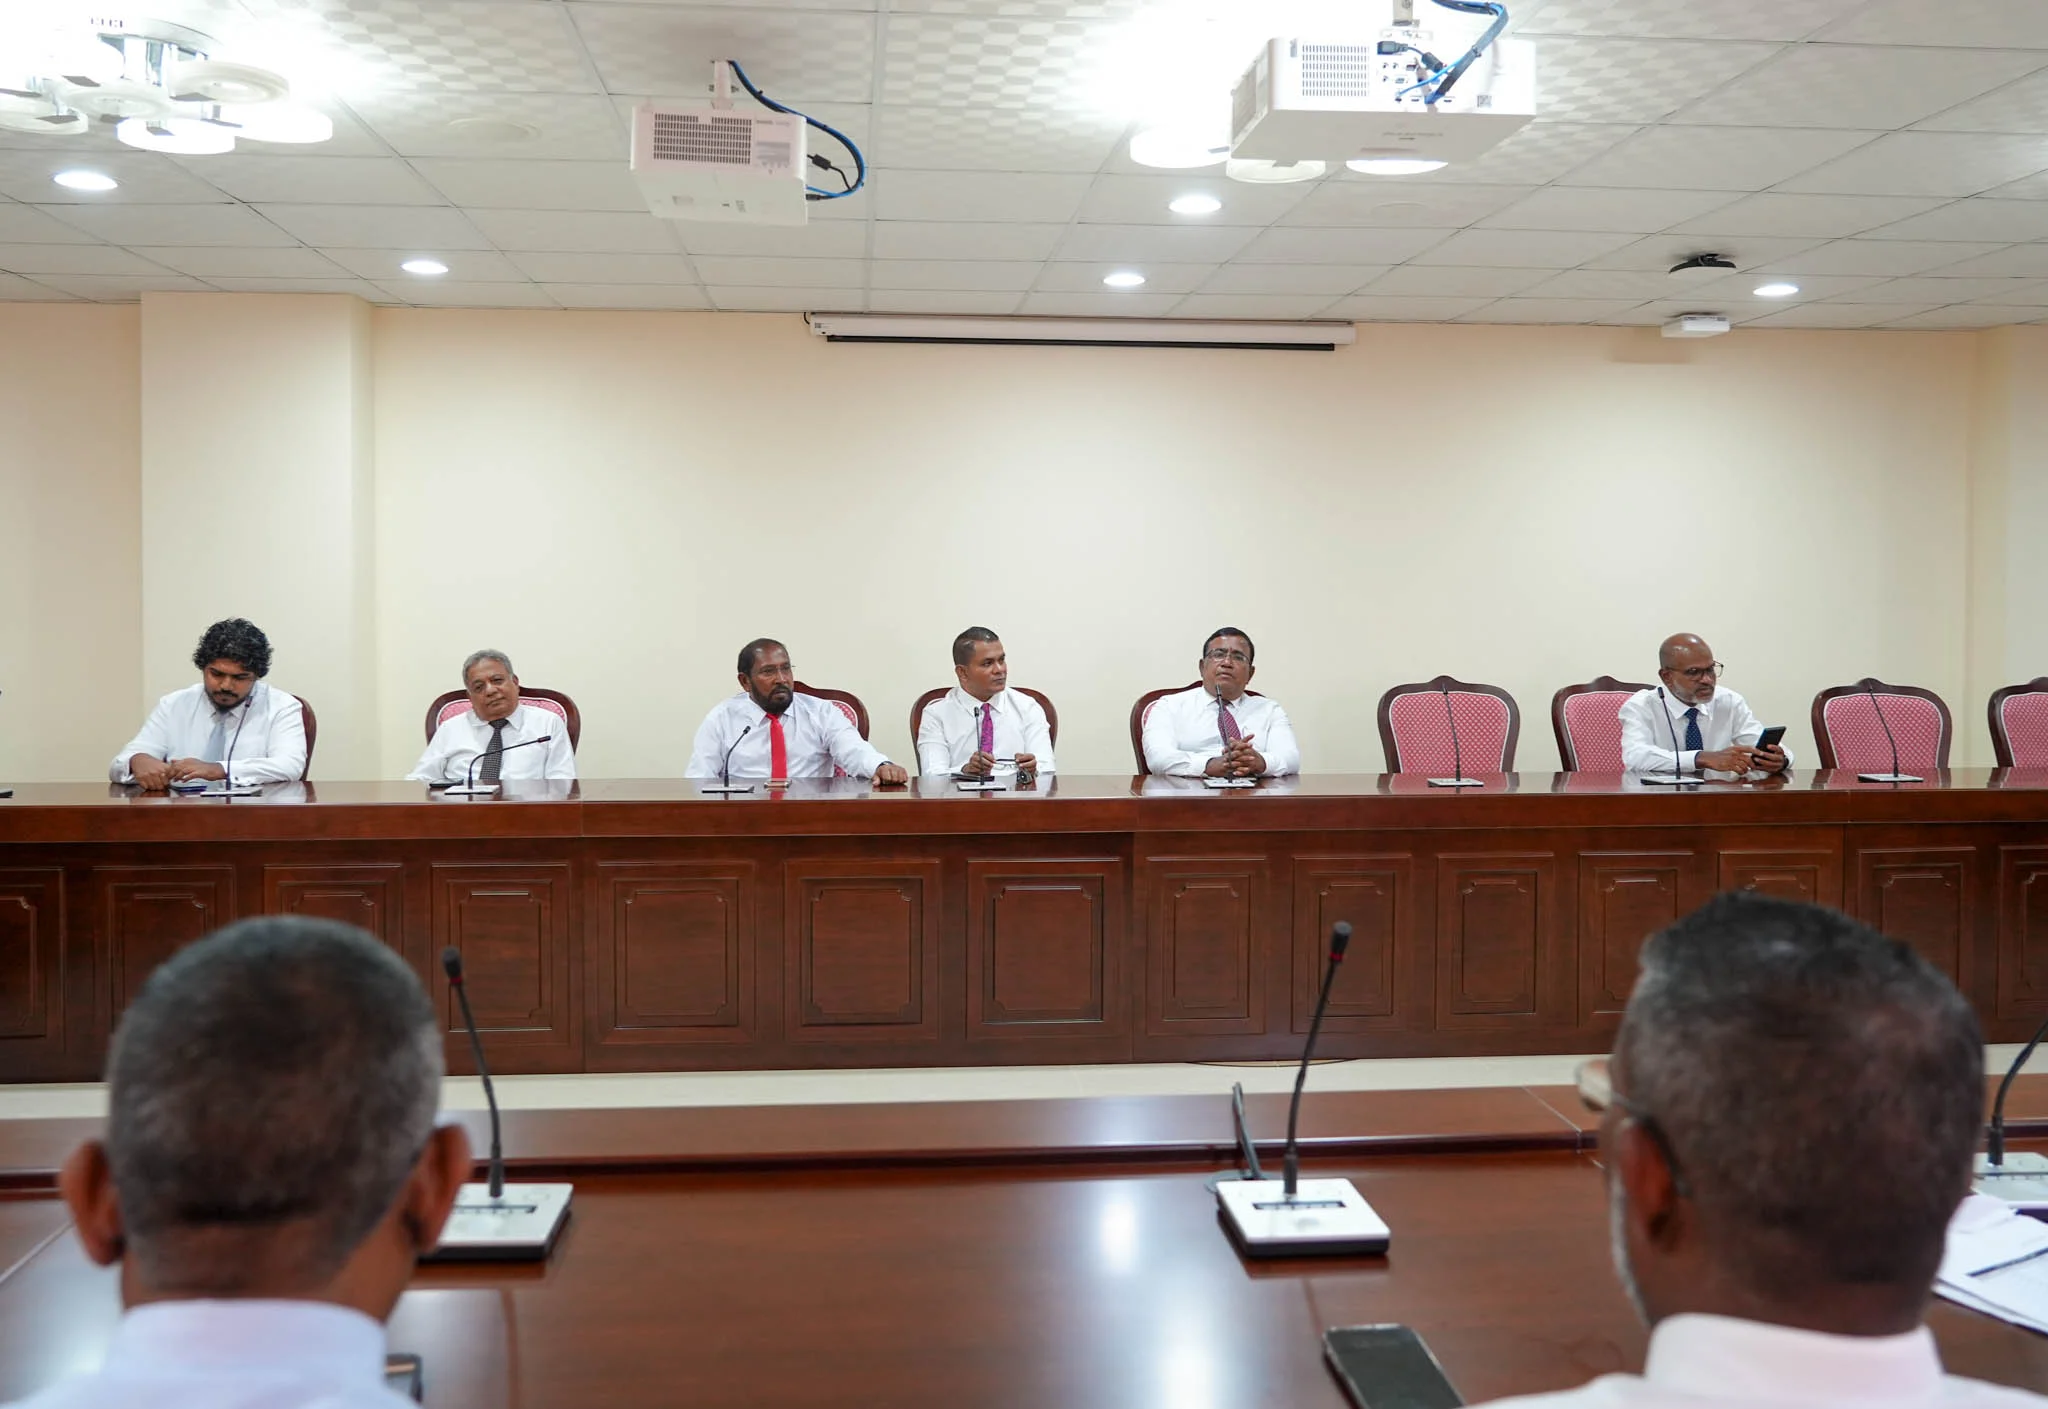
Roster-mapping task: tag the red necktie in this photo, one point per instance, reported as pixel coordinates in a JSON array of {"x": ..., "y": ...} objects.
[{"x": 778, "y": 749}]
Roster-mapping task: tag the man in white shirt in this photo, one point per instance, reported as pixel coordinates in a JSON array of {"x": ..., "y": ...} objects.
[
  {"x": 230, "y": 722},
  {"x": 981, "y": 727},
  {"x": 271, "y": 1172},
  {"x": 1702, "y": 726},
  {"x": 495, "y": 722},
  {"x": 770, "y": 731},
  {"x": 1788, "y": 1122},
  {"x": 1217, "y": 729}
]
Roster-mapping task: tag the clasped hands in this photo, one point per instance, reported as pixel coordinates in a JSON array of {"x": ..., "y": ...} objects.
[
  {"x": 156, "y": 774},
  {"x": 983, "y": 765},
  {"x": 1741, "y": 758},
  {"x": 1238, "y": 760}
]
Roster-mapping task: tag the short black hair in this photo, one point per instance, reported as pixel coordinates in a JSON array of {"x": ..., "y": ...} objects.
[
  {"x": 966, "y": 641},
  {"x": 237, "y": 640},
  {"x": 754, "y": 650},
  {"x": 1251, "y": 651},
  {"x": 1821, "y": 1088}
]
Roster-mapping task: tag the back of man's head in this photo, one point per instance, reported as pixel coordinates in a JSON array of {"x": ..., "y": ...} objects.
[
  {"x": 1821, "y": 1090},
  {"x": 272, "y": 1087}
]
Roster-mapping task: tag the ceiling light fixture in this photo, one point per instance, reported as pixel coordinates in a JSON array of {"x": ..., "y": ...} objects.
[
  {"x": 1123, "y": 279},
  {"x": 1779, "y": 289},
  {"x": 1272, "y": 173},
  {"x": 1179, "y": 148},
  {"x": 1394, "y": 164},
  {"x": 278, "y": 122},
  {"x": 426, "y": 268},
  {"x": 79, "y": 179},
  {"x": 1194, "y": 204},
  {"x": 176, "y": 136}
]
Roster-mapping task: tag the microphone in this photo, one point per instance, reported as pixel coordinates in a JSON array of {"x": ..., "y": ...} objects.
[
  {"x": 495, "y": 1221},
  {"x": 1340, "y": 940},
  {"x": 469, "y": 787},
  {"x": 725, "y": 783},
  {"x": 1677, "y": 779},
  {"x": 1895, "y": 776},
  {"x": 227, "y": 764},
  {"x": 1994, "y": 1142},
  {"x": 1457, "y": 778}
]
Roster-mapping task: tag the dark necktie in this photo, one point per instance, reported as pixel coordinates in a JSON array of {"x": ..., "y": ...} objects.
[
  {"x": 1227, "y": 723},
  {"x": 1692, "y": 729},
  {"x": 494, "y": 753}
]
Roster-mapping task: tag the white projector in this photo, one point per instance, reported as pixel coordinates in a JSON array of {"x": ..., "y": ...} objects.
[
  {"x": 1697, "y": 325},
  {"x": 1316, "y": 100},
  {"x": 743, "y": 168}
]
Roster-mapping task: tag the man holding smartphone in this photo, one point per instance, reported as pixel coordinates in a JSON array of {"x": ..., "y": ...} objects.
[{"x": 1694, "y": 726}]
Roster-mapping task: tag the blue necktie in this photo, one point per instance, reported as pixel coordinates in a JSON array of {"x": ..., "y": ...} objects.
[{"x": 1692, "y": 729}]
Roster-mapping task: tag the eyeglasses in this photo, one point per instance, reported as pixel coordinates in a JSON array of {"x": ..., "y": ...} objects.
[
  {"x": 1702, "y": 672},
  {"x": 1595, "y": 1080},
  {"x": 1235, "y": 657}
]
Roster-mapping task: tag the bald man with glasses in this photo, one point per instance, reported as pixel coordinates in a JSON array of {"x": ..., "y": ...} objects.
[{"x": 1695, "y": 726}]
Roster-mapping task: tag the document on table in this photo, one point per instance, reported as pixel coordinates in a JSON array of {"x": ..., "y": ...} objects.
[{"x": 1996, "y": 1262}]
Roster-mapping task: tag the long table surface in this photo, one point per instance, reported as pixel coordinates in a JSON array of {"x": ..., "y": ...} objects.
[
  {"x": 623, "y": 925},
  {"x": 1005, "y": 1280}
]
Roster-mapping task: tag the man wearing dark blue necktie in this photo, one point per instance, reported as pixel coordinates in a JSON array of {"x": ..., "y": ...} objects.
[{"x": 1695, "y": 726}]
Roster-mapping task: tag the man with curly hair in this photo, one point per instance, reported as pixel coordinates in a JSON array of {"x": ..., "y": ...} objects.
[{"x": 231, "y": 722}]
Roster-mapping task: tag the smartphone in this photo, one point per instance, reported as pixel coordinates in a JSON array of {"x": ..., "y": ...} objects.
[
  {"x": 1387, "y": 1367},
  {"x": 404, "y": 1375},
  {"x": 1771, "y": 737}
]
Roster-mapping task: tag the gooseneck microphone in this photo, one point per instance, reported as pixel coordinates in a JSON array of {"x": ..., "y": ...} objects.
[
  {"x": 1457, "y": 752},
  {"x": 451, "y": 964},
  {"x": 1895, "y": 776},
  {"x": 469, "y": 775},
  {"x": 725, "y": 765},
  {"x": 1340, "y": 940},
  {"x": 1994, "y": 1141},
  {"x": 227, "y": 763},
  {"x": 1677, "y": 778}
]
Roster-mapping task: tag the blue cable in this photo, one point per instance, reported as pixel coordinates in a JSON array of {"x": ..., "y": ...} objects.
[
  {"x": 860, "y": 165},
  {"x": 1456, "y": 71}
]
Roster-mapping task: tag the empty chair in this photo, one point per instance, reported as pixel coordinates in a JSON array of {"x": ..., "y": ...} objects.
[
  {"x": 455, "y": 702},
  {"x": 1417, "y": 733},
  {"x": 1851, "y": 727},
  {"x": 2019, "y": 724},
  {"x": 1587, "y": 721}
]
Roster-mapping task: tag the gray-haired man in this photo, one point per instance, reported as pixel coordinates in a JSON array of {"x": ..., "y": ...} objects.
[
  {"x": 1788, "y": 1124},
  {"x": 494, "y": 722},
  {"x": 271, "y": 1171}
]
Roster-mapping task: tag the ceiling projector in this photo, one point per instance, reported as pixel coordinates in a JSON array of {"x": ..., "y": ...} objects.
[{"x": 718, "y": 164}]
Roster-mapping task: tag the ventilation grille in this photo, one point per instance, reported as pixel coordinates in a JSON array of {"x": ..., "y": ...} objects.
[
  {"x": 725, "y": 141},
  {"x": 1337, "y": 70}
]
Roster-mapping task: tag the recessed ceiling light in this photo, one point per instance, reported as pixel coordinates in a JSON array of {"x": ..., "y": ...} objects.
[
  {"x": 1123, "y": 279},
  {"x": 1777, "y": 290},
  {"x": 80, "y": 179},
  {"x": 1395, "y": 165},
  {"x": 1176, "y": 147},
  {"x": 1196, "y": 204},
  {"x": 426, "y": 267}
]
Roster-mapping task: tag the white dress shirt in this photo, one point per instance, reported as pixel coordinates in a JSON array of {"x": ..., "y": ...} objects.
[
  {"x": 817, "y": 734},
  {"x": 234, "y": 1355},
  {"x": 1183, "y": 733},
  {"x": 950, "y": 732},
  {"x": 271, "y": 747},
  {"x": 1646, "y": 741},
  {"x": 463, "y": 736},
  {"x": 1696, "y": 1362}
]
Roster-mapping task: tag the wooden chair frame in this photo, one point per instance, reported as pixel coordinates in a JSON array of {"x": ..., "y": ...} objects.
[
  {"x": 860, "y": 711},
  {"x": 1438, "y": 686},
  {"x": 2001, "y": 741},
  {"x": 1567, "y": 755},
  {"x": 568, "y": 705},
  {"x": 931, "y": 697},
  {"x": 1138, "y": 718},
  {"x": 1867, "y": 685}
]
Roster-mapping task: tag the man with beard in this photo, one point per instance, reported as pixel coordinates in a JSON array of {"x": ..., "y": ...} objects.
[
  {"x": 1697, "y": 724},
  {"x": 770, "y": 731},
  {"x": 1218, "y": 729},
  {"x": 494, "y": 722},
  {"x": 1788, "y": 1123},
  {"x": 229, "y": 720}
]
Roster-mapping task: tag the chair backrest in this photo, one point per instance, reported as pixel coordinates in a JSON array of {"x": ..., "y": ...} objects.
[
  {"x": 1851, "y": 735},
  {"x": 312, "y": 735},
  {"x": 848, "y": 703},
  {"x": 1142, "y": 711},
  {"x": 2019, "y": 724},
  {"x": 1587, "y": 721},
  {"x": 455, "y": 702},
  {"x": 1415, "y": 727},
  {"x": 931, "y": 697}
]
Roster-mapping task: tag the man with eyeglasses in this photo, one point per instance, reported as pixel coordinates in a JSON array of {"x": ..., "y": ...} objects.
[
  {"x": 1219, "y": 729},
  {"x": 1788, "y": 1123},
  {"x": 1696, "y": 722}
]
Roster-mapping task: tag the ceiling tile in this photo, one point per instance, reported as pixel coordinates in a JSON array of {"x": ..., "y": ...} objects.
[
  {"x": 1939, "y": 290},
  {"x": 1741, "y": 288},
  {"x": 21, "y": 225},
  {"x": 821, "y": 239},
  {"x": 209, "y": 261},
  {"x": 1832, "y": 85},
  {"x": 1543, "y": 151},
  {"x": 74, "y": 259},
  {"x": 1664, "y": 310},
  {"x": 1715, "y": 158},
  {"x": 1098, "y": 305},
  {"x": 2032, "y": 293},
  {"x": 1978, "y": 218},
  {"x": 119, "y": 288},
  {"x": 992, "y": 139},
  {"x": 1374, "y": 308},
  {"x": 1453, "y": 281},
  {"x": 323, "y": 180},
  {"x": 1325, "y": 281},
  {"x": 359, "y": 288},
  {"x": 1087, "y": 278},
  {"x": 990, "y": 60},
  {"x": 976, "y": 195},
  {"x": 1187, "y": 244},
  {"x": 1549, "y": 310},
  {"x": 1821, "y": 217},
  {"x": 742, "y": 300},
  {"x": 1634, "y": 285},
  {"x": 938, "y": 275},
  {"x": 1928, "y": 164},
  {"x": 534, "y": 185},
  {"x": 945, "y": 239},
  {"x": 464, "y": 266},
  {"x": 730, "y": 272},
  {"x": 420, "y": 229},
  {"x": 1636, "y": 80},
  {"x": 1660, "y": 252},
  {"x": 2030, "y": 260},
  {"x": 2018, "y": 107},
  {"x": 1522, "y": 249},
  {"x": 550, "y": 126},
  {"x": 590, "y": 232},
  {"x": 350, "y": 139},
  {"x": 1984, "y": 24},
  {"x": 2032, "y": 188},
  {"x": 1339, "y": 246},
  {"x": 1142, "y": 200},
  {"x": 146, "y": 178},
  {"x": 1890, "y": 258},
  {"x": 436, "y": 293},
  {"x": 673, "y": 296},
  {"x": 1368, "y": 203},
  {"x": 1687, "y": 19},
  {"x": 1970, "y": 315},
  {"x": 457, "y": 45},
  {"x": 651, "y": 269},
  {"x": 1285, "y": 307},
  {"x": 1590, "y": 208},
  {"x": 796, "y": 57},
  {"x": 166, "y": 225},
  {"x": 1838, "y": 315},
  {"x": 942, "y": 301},
  {"x": 15, "y": 289}
]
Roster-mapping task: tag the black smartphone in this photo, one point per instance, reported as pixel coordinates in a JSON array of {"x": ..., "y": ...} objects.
[
  {"x": 404, "y": 1374},
  {"x": 1771, "y": 737},
  {"x": 1387, "y": 1367}
]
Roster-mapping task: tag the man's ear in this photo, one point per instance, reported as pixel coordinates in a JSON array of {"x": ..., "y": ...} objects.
[
  {"x": 87, "y": 1184},
  {"x": 437, "y": 1179},
  {"x": 1645, "y": 1173}
]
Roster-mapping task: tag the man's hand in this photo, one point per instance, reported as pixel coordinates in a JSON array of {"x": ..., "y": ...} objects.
[
  {"x": 1733, "y": 759},
  {"x": 892, "y": 775},
  {"x": 187, "y": 769},
  {"x": 1771, "y": 760},
  {"x": 979, "y": 766},
  {"x": 1218, "y": 767},
  {"x": 1242, "y": 759},
  {"x": 1027, "y": 763},
  {"x": 152, "y": 774}
]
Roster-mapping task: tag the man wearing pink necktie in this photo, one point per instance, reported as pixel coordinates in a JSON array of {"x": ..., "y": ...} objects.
[{"x": 981, "y": 728}]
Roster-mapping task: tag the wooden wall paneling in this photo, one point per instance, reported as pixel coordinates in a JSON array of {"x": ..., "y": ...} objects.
[
  {"x": 1377, "y": 987},
  {"x": 1504, "y": 943},
  {"x": 1045, "y": 954},
  {"x": 33, "y": 959},
  {"x": 517, "y": 926},
  {"x": 369, "y": 895},
  {"x": 861, "y": 950},
  {"x": 2022, "y": 933},
  {"x": 146, "y": 914},
  {"x": 1803, "y": 863},
  {"x": 1204, "y": 932},
  {"x": 670, "y": 953},
  {"x": 1625, "y": 896},
  {"x": 1928, "y": 896}
]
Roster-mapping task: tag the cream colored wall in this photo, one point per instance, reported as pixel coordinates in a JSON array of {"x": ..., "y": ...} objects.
[
  {"x": 2009, "y": 522},
  {"x": 620, "y": 500},
  {"x": 70, "y": 539}
]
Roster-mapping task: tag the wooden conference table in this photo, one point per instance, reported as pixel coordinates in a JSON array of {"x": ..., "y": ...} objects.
[
  {"x": 995, "y": 1254},
  {"x": 644, "y": 925}
]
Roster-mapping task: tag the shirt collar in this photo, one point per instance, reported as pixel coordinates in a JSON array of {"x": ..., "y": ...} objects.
[
  {"x": 1678, "y": 707},
  {"x": 308, "y": 1340},
  {"x": 997, "y": 702},
  {"x": 1721, "y": 1358}
]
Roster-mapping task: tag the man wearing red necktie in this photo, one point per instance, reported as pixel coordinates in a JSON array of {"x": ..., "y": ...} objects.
[{"x": 770, "y": 731}]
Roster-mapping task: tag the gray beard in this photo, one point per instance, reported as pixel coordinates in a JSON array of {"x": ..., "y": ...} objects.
[{"x": 1617, "y": 1244}]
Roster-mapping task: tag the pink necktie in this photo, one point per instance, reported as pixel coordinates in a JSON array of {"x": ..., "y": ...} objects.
[{"x": 988, "y": 731}]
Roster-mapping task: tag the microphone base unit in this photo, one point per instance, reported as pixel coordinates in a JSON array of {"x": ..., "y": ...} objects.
[
  {"x": 725, "y": 788},
  {"x": 1326, "y": 1217},
  {"x": 973, "y": 786},
  {"x": 1889, "y": 778},
  {"x": 1671, "y": 780},
  {"x": 1230, "y": 782},
  {"x": 230, "y": 790},
  {"x": 1458, "y": 782},
  {"x": 520, "y": 1226},
  {"x": 2021, "y": 1181},
  {"x": 471, "y": 790}
]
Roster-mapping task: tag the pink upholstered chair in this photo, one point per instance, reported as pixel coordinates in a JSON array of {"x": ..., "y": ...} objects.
[
  {"x": 1587, "y": 721},
  {"x": 931, "y": 697},
  {"x": 2019, "y": 724},
  {"x": 1851, "y": 736},
  {"x": 1142, "y": 711},
  {"x": 1415, "y": 727},
  {"x": 847, "y": 703},
  {"x": 553, "y": 701}
]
